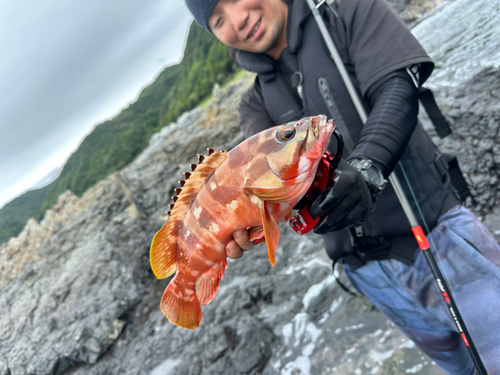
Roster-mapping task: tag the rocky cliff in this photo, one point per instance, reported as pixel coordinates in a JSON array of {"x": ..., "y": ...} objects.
[{"x": 77, "y": 295}]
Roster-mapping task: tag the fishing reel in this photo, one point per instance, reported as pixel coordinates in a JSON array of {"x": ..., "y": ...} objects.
[{"x": 302, "y": 222}]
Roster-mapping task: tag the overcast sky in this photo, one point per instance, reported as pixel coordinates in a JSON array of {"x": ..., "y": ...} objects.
[{"x": 68, "y": 65}]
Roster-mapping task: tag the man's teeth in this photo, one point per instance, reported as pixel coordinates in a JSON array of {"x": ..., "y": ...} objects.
[{"x": 254, "y": 29}]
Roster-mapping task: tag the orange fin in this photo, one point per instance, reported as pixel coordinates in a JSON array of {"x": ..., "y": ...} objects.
[
  {"x": 256, "y": 234},
  {"x": 194, "y": 181},
  {"x": 207, "y": 285},
  {"x": 273, "y": 194},
  {"x": 164, "y": 246},
  {"x": 222, "y": 270},
  {"x": 288, "y": 216},
  {"x": 162, "y": 253},
  {"x": 180, "y": 304},
  {"x": 271, "y": 231}
]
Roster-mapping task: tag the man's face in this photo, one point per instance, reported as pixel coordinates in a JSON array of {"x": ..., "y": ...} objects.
[{"x": 251, "y": 25}]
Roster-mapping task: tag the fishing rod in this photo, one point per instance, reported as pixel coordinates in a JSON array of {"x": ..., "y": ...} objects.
[{"x": 415, "y": 226}]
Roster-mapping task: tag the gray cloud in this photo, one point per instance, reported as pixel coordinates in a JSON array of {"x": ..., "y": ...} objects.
[{"x": 69, "y": 65}]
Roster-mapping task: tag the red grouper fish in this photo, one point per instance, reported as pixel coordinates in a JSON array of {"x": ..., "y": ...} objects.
[{"x": 253, "y": 186}]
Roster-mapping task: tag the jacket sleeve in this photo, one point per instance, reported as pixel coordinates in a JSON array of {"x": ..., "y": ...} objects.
[
  {"x": 377, "y": 41},
  {"x": 252, "y": 114},
  {"x": 376, "y": 47},
  {"x": 393, "y": 103}
]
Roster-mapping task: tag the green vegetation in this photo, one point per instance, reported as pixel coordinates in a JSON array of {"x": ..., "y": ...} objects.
[
  {"x": 237, "y": 75},
  {"x": 115, "y": 143}
]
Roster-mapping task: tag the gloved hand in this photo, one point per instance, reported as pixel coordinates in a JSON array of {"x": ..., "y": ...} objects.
[{"x": 346, "y": 203}]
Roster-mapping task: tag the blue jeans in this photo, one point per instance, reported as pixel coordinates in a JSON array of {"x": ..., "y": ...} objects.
[{"x": 469, "y": 258}]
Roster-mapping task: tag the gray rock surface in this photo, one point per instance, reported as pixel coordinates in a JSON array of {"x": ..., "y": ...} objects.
[{"x": 77, "y": 295}]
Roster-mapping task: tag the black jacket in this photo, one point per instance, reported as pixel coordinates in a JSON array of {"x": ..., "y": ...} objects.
[{"x": 373, "y": 42}]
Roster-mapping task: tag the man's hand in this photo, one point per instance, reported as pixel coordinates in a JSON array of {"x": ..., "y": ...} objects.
[
  {"x": 239, "y": 244},
  {"x": 344, "y": 204}
]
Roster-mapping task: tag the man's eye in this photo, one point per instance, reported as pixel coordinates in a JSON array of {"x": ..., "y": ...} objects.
[{"x": 218, "y": 23}]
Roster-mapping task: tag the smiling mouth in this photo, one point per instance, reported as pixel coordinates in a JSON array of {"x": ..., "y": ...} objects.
[{"x": 255, "y": 28}]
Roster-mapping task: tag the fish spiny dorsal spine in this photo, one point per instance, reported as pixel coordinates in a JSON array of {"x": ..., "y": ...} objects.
[{"x": 196, "y": 178}]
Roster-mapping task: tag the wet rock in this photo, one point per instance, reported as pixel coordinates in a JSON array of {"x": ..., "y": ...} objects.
[
  {"x": 78, "y": 297},
  {"x": 223, "y": 366},
  {"x": 254, "y": 350}
]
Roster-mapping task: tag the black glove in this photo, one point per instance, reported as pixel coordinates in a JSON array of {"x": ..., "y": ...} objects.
[{"x": 346, "y": 203}]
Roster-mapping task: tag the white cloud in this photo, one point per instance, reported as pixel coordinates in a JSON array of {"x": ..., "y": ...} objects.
[{"x": 67, "y": 66}]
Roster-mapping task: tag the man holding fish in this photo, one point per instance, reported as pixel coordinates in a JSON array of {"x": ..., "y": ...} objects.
[{"x": 361, "y": 220}]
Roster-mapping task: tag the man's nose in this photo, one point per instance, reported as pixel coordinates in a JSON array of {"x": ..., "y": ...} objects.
[{"x": 239, "y": 18}]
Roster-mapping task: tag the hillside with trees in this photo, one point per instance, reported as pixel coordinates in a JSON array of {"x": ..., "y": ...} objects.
[{"x": 115, "y": 143}]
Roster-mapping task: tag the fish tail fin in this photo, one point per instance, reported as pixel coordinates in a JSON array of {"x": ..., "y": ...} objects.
[
  {"x": 180, "y": 304},
  {"x": 163, "y": 251}
]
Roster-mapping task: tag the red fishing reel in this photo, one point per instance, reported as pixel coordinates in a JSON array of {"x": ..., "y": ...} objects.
[{"x": 302, "y": 222}]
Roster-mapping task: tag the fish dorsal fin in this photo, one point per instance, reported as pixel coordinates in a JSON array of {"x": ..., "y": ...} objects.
[{"x": 164, "y": 245}]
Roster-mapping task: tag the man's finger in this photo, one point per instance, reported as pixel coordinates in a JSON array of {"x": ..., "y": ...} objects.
[
  {"x": 233, "y": 251},
  {"x": 241, "y": 238}
]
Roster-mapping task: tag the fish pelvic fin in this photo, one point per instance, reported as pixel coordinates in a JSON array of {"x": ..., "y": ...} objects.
[
  {"x": 207, "y": 285},
  {"x": 180, "y": 304},
  {"x": 256, "y": 234},
  {"x": 163, "y": 251},
  {"x": 271, "y": 231}
]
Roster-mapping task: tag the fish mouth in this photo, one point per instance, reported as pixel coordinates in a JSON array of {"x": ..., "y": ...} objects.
[
  {"x": 322, "y": 128},
  {"x": 315, "y": 126},
  {"x": 317, "y": 137}
]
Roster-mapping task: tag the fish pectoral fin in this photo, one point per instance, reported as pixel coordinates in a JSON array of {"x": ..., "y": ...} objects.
[
  {"x": 207, "y": 284},
  {"x": 271, "y": 231},
  {"x": 162, "y": 253},
  {"x": 272, "y": 194},
  {"x": 256, "y": 234},
  {"x": 288, "y": 216}
]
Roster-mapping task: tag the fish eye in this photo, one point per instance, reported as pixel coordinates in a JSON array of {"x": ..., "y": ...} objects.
[{"x": 285, "y": 133}]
